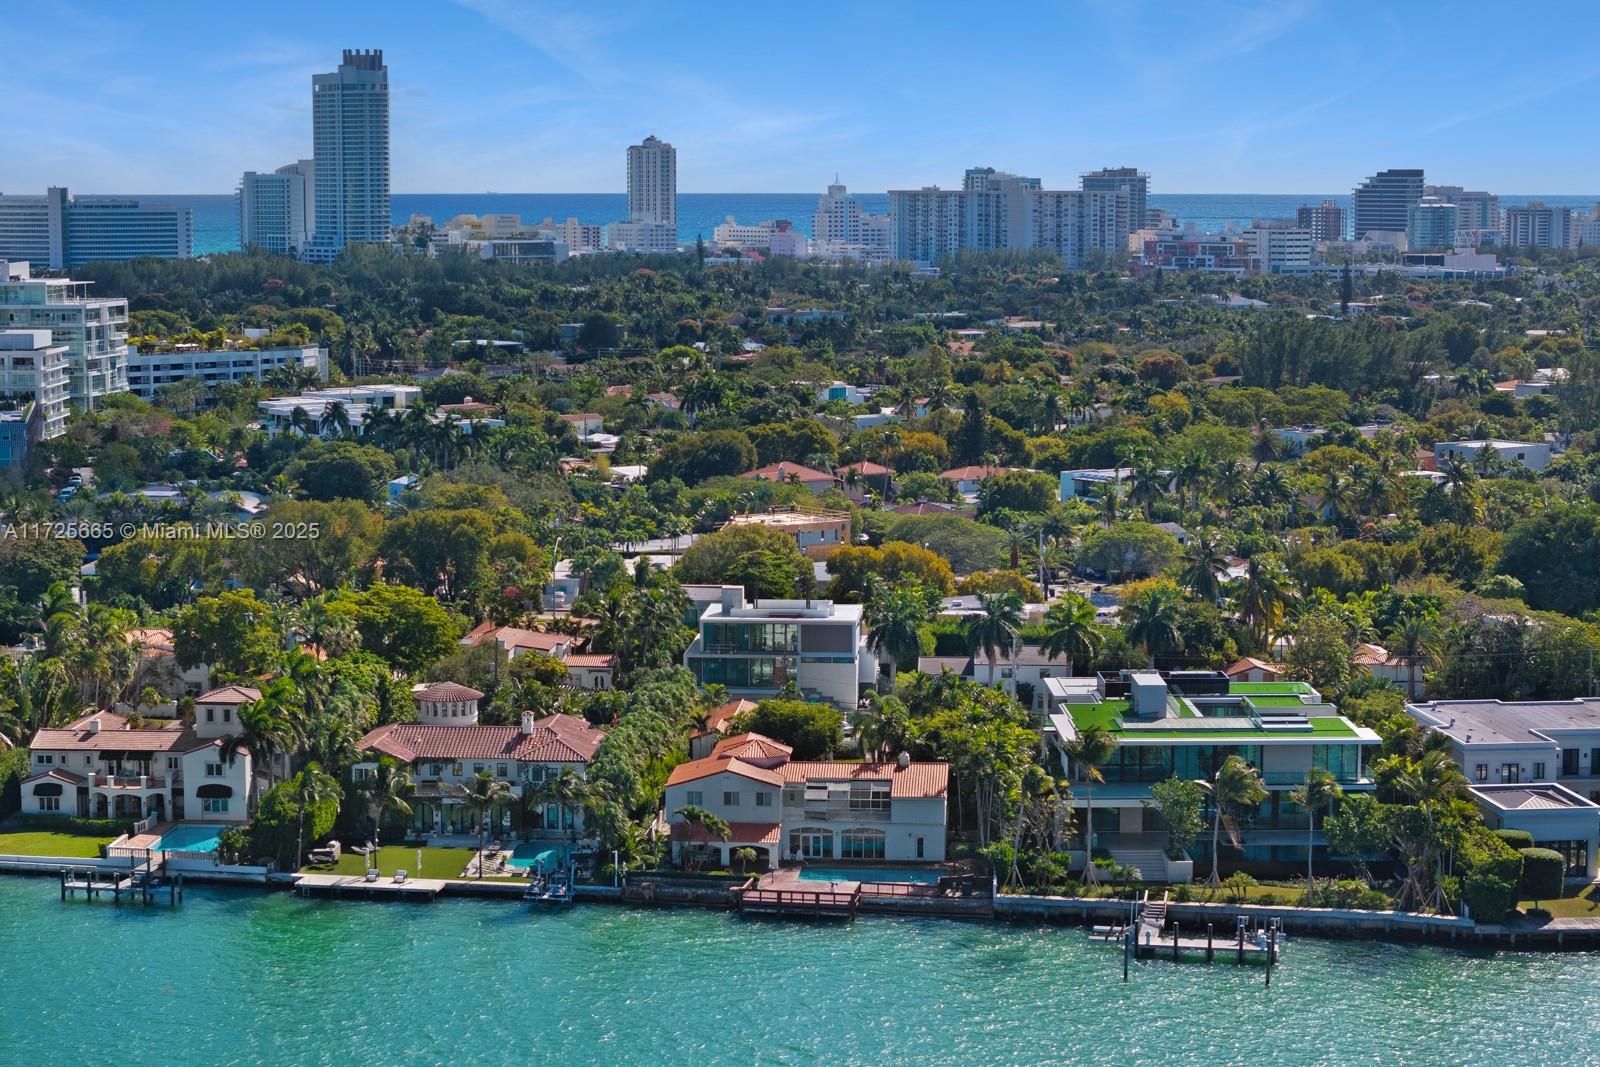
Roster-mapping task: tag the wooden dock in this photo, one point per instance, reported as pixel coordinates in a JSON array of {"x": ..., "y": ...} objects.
[
  {"x": 354, "y": 885},
  {"x": 147, "y": 884},
  {"x": 1149, "y": 933},
  {"x": 840, "y": 901}
]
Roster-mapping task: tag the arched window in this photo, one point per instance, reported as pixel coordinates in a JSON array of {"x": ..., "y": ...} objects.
[{"x": 861, "y": 844}]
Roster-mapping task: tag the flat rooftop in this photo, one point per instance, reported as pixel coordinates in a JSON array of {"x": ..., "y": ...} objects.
[
  {"x": 1500, "y": 722},
  {"x": 1323, "y": 724},
  {"x": 1544, "y": 796}
]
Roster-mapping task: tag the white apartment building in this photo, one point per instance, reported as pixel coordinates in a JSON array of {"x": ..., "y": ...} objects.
[
  {"x": 630, "y": 235},
  {"x": 579, "y": 237},
  {"x": 350, "y": 146},
  {"x": 358, "y": 401},
  {"x": 33, "y": 367},
  {"x": 995, "y": 210},
  {"x": 92, "y": 328},
  {"x": 653, "y": 182},
  {"x": 63, "y": 231},
  {"x": 926, "y": 224},
  {"x": 776, "y": 237},
  {"x": 787, "y": 809},
  {"x": 148, "y": 371},
  {"x": 518, "y": 250},
  {"x": 1280, "y": 249},
  {"x": 757, "y": 649},
  {"x": 1535, "y": 455},
  {"x": 277, "y": 210},
  {"x": 1536, "y": 225},
  {"x": 841, "y": 230}
]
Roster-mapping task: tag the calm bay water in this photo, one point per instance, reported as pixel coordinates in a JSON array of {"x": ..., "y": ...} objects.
[
  {"x": 238, "y": 977},
  {"x": 216, "y": 219}
]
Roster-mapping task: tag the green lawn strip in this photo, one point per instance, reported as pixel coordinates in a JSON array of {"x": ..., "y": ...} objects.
[
  {"x": 436, "y": 862},
  {"x": 52, "y": 843},
  {"x": 1584, "y": 903}
]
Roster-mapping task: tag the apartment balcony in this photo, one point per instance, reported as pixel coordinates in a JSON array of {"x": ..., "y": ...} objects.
[
  {"x": 836, "y": 813},
  {"x": 131, "y": 782}
]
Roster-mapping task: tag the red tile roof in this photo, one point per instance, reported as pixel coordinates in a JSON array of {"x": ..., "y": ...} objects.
[
  {"x": 113, "y": 736},
  {"x": 515, "y": 637},
  {"x": 916, "y": 780},
  {"x": 719, "y": 716},
  {"x": 439, "y": 691},
  {"x": 782, "y": 472},
  {"x": 971, "y": 474},
  {"x": 555, "y": 739},
  {"x": 55, "y": 772},
  {"x": 741, "y": 833},
  {"x": 230, "y": 694},
  {"x": 694, "y": 770},
  {"x": 1249, "y": 663},
  {"x": 752, "y": 747},
  {"x": 865, "y": 467},
  {"x": 591, "y": 660}
]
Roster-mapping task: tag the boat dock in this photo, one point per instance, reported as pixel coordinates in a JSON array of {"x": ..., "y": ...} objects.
[
  {"x": 840, "y": 900},
  {"x": 148, "y": 884},
  {"x": 1148, "y": 934},
  {"x": 341, "y": 885}
]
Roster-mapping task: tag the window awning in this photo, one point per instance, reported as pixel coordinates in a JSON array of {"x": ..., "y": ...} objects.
[
  {"x": 47, "y": 789},
  {"x": 212, "y": 791}
]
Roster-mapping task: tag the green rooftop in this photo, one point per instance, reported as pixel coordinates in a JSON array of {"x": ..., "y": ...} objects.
[
  {"x": 1284, "y": 688},
  {"x": 1109, "y": 715}
]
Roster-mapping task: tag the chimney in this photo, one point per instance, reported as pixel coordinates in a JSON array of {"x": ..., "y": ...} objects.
[
  {"x": 903, "y": 760},
  {"x": 94, "y": 725},
  {"x": 527, "y": 723}
]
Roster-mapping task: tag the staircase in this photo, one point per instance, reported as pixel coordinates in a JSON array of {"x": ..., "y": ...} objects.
[{"x": 1151, "y": 863}]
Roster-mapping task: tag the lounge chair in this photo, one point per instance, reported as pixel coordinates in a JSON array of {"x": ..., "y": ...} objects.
[
  {"x": 372, "y": 874},
  {"x": 399, "y": 877}
]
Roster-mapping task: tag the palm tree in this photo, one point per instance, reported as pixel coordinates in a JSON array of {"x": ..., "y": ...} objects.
[
  {"x": 1236, "y": 785},
  {"x": 1267, "y": 447},
  {"x": 311, "y": 787},
  {"x": 1203, "y": 566},
  {"x": 336, "y": 419},
  {"x": 1264, "y": 597},
  {"x": 714, "y": 825},
  {"x": 1146, "y": 485},
  {"x": 1088, "y": 754},
  {"x": 568, "y": 792},
  {"x": 1070, "y": 630},
  {"x": 265, "y": 731},
  {"x": 1151, "y": 619},
  {"x": 481, "y": 796},
  {"x": 897, "y": 613},
  {"x": 994, "y": 630},
  {"x": 387, "y": 788},
  {"x": 1337, "y": 497},
  {"x": 1315, "y": 794},
  {"x": 1409, "y": 638}
]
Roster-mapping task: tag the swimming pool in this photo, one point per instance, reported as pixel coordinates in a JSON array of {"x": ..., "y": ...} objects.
[
  {"x": 190, "y": 839},
  {"x": 920, "y": 876},
  {"x": 542, "y": 855}
]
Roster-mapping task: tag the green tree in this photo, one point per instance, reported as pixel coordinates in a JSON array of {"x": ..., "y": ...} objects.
[
  {"x": 341, "y": 470},
  {"x": 441, "y": 550},
  {"x": 405, "y": 627},
  {"x": 1180, "y": 802},
  {"x": 1088, "y": 752},
  {"x": 898, "y": 614},
  {"x": 994, "y": 629},
  {"x": 1318, "y": 792},
  {"x": 712, "y": 824},
  {"x": 762, "y": 559},
  {"x": 1070, "y": 631},
  {"x": 1552, "y": 552},
  {"x": 814, "y": 731},
  {"x": 312, "y": 789},
  {"x": 1128, "y": 549},
  {"x": 386, "y": 788},
  {"x": 1151, "y": 619},
  {"x": 694, "y": 457},
  {"x": 483, "y": 794},
  {"x": 1022, "y": 491},
  {"x": 1236, "y": 785},
  {"x": 231, "y": 631}
]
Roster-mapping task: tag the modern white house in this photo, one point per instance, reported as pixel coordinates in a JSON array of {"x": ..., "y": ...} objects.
[
  {"x": 1187, "y": 724},
  {"x": 1511, "y": 742},
  {"x": 814, "y": 811},
  {"x": 94, "y": 329},
  {"x": 446, "y": 748},
  {"x": 1534, "y": 455},
  {"x": 98, "y": 766},
  {"x": 1558, "y": 819},
  {"x": 358, "y": 402},
  {"x": 149, "y": 370},
  {"x": 760, "y": 648}
]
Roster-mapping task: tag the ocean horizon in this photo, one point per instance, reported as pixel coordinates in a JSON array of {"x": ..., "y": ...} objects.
[{"x": 216, "y": 220}]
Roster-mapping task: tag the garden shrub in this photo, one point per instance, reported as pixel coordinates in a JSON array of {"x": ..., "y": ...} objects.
[
  {"x": 72, "y": 824},
  {"x": 1543, "y": 874},
  {"x": 1490, "y": 871},
  {"x": 1515, "y": 838}
]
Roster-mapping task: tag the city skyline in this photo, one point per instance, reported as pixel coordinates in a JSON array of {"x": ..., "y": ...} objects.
[{"x": 535, "y": 97}]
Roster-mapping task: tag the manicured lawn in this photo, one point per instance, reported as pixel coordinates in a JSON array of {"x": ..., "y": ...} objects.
[
  {"x": 436, "y": 862},
  {"x": 51, "y": 843},
  {"x": 1584, "y": 903}
]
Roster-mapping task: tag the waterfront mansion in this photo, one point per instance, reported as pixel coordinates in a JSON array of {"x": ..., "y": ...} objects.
[
  {"x": 1187, "y": 723},
  {"x": 757, "y": 649},
  {"x": 99, "y": 766},
  {"x": 818, "y": 811},
  {"x": 446, "y": 748}
]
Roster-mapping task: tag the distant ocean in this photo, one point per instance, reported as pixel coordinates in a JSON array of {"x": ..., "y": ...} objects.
[{"x": 216, "y": 220}]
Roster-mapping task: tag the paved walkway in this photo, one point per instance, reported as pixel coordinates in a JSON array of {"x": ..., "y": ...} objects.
[{"x": 355, "y": 883}]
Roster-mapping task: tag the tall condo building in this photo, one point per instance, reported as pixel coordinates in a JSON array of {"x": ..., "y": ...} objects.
[
  {"x": 60, "y": 230},
  {"x": 1384, "y": 201},
  {"x": 33, "y": 393},
  {"x": 1477, "y": 213},
  {"x": 276, "y": 211},
  {"x": 1122, "y": 179},
  {"x": 1537, "y": 225},
  {"x": 350, "y": 149},
  {"x": 1431, "y": 225},
  {"x": 1325, "y": 222},
  {"x": 841, "y": 230},
  {"x": 653, "y": 182},
  {"x": 93, "y": 329},
  {"x": 995, "y": 210}
]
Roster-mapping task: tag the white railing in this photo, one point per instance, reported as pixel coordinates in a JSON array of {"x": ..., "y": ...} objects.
[{"x": 144, "y": 826}]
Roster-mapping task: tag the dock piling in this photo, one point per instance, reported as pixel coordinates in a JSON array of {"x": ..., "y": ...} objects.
[{"x": 1209, "y": 953}]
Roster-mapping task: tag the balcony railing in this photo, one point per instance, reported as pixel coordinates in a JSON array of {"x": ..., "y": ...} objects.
[
  {"x": 836, "y": 812},
  {"x": 127, "y": 781}
]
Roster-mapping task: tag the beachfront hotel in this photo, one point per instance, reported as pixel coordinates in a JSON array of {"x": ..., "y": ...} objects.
[
  {"x": 758, "y": 649},
  {"x": 100, "y": 767},
  {"x": 446, "y": 748},
  {"x": 92, "y": 328},
  {"x": 815, "y": 811},
  {"x": 1187, "y": 723}
]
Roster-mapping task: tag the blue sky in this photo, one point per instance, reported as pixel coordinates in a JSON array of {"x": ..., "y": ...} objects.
[{"x": 1292, "y": 96}]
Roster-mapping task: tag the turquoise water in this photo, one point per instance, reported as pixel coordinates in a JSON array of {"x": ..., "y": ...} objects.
[
  {"x": 240, "y": 977},
  {"x": 809, "y": 873},
  {"x": 546, "y": 857},
  {"x": 190, "y": 839}
]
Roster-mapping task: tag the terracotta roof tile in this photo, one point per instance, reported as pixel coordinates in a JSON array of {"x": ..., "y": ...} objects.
[
  {"x": 916, "y": 780},
  {"x": 445, "y": 691},
  {"x": 694, "y": 770},
  {"x": 752, "y": 747},
  {"x": 780, "y": 472},
  {"x": 741, "y": 833},
  {"x": 555, "y": 739},
  {"x": 230, "y": 694}
]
